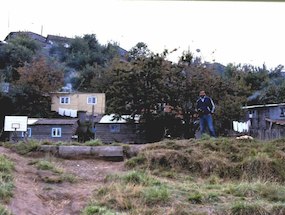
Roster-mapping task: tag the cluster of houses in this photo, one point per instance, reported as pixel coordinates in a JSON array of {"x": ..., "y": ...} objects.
[
  {"x": 86, "y": 111},
  {"x": 78, "y": 113},
  {"x": 264, "y": 122}
]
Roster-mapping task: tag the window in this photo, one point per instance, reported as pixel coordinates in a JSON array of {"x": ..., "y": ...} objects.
[
  {"x": 282, "y": 111},
  {"x": 91, "y": 100},
  {"x": 27, "y": 133},
  {"x": 114, "y": 128},
  {"x": 64, "y": 100},
  {"x": 56, "y": 132}
]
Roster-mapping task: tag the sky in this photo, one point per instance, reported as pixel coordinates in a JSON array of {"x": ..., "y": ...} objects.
[{"x": 219, "y": 31}]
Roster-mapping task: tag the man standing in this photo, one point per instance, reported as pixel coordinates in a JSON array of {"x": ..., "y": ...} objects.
[{"x": 205, "y": 108}]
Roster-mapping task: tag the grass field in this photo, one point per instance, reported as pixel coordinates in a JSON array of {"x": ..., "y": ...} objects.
[{"x": 209, "y": 176}]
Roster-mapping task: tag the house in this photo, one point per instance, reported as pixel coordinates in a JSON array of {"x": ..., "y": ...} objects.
[
  {"x": 110, "y": 129},
  {"x": 41, "y": 39},
  {"x": 69, "y": 103},
  {"x": 52, "y": 39},
  {"x": 266, "y": 121},
  {"x": 50, "y": 129}
]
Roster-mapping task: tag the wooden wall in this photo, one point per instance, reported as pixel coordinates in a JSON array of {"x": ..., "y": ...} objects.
[{"x": 127, "y": 134}]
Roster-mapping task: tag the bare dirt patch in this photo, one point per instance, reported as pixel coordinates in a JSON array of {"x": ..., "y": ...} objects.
[{"x": 33, "y": 196}]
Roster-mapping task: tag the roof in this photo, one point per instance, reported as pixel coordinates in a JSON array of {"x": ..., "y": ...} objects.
[
  {"x": 32, "y": 35},
  {"x": 74, "y": 93},
  {"x": 263, "y": 106},
  {"x": 123, "y": 119},
  {"x": 56, "y": 38},
  {"x": 41, "y": 121}
]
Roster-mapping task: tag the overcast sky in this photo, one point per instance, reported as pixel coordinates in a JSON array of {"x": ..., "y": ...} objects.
[{"x": 227, "y": 32}]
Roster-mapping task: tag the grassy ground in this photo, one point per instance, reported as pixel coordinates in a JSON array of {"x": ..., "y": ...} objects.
[
  {"x": 209, "y": 176},
  {"x": 6, "y": 183}
]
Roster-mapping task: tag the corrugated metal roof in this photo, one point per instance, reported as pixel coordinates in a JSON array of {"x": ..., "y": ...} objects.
[
  {"x": 34, "y": 121},
  {"x": 262, "y": 106}
]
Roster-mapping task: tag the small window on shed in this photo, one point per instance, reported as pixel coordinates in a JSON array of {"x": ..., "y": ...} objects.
[
  {"x": 250, "y": 113},
  {"x": 27, "y": 133},
  {"x": 115, "y": 128},
  {"x": 56, "y": 132},
  {"x": 282, "y": 112}
]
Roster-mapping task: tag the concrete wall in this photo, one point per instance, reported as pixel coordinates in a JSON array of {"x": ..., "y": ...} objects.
[{"x": 113, "y": 153}]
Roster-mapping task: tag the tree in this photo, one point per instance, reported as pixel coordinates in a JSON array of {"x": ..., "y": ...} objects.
[
  {"x": 16, "y": 53},
  {"x": 37, "y": 80}
]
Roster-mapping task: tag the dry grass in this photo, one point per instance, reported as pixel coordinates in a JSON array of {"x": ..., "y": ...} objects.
[{"x": 208, "y": 176}]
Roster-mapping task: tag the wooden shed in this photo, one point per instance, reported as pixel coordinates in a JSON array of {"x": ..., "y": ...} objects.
[
  {"x": 110, "y": 129},
  {"x": 266, "y": 121},
  {"x": 50, "y": 129}
]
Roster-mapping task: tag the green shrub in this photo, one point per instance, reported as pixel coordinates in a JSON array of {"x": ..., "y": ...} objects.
[
  {"x": 155, "y": 195},
  {"x": 45, "y": 165},
  {"x": 6, "y": 191},
  {"x": 242, "y": 208},
  {"x": 136, "y": 177},
  {"x": 195, "y": 198},
  {"x": 6, "y": 182},
  {"x": 68, "y": 177},
  {"x": 4, "y": 211},
  {"x": 96, "y": 142},
  {"x": 135, "y": 161},
  {"x": 23, "y": 148},
  {"x": 6, "y": 166},
  {"x": 98, "y": 210}
]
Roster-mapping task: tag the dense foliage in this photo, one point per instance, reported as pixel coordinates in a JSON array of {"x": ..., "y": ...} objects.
[{"x": 141, "y": 82}]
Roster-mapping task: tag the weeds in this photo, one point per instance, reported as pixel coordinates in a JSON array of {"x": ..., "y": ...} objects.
[
  {"x": 95, "y": 142},
  {"x": 243, "y": 208},
  {"x": 23, "y": 148},
  {"x": 4, "y": 211},
  {"x": 58, "y": 174},
  {"x": 6, "y": 180},
  {"x": 155, "y": 195},
  {"x": 96, "y": 209}
]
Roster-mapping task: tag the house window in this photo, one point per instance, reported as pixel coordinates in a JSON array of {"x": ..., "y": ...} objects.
[
  {"x": 27, "y": 133},
  {"x": 64, "y": 100},
  {"x": 56, "y": 132},
  {"x": 91, "y": 100},
  {"x": 114, "y": 128}
]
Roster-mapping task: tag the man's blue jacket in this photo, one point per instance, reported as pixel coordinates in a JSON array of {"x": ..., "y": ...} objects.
[{"x": 205, "y": 105}]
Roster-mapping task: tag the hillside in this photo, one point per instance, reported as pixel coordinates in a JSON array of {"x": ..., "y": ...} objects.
[{"x": 208, "y": 176}]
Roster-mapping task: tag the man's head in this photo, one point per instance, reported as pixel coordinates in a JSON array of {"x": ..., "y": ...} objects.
[{"x": 202, "y": 93}]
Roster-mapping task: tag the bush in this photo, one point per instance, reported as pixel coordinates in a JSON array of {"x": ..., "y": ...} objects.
[
  {"x": 4, "y": 211},
  {"x": 6, "y": 182},
  {"x": 136, "y": 178},
  {"x": 242, "y": 208},
  {"x": 195, "y": 198},
  {"x": 23, "y": 148},
  {"x": 155, "y": 195},
  {"x": 95, "y": 209},
  {"x": 95, "y": 142}
]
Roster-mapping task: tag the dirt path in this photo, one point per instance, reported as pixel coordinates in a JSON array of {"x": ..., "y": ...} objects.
[{"x": 33, "y": 196}]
